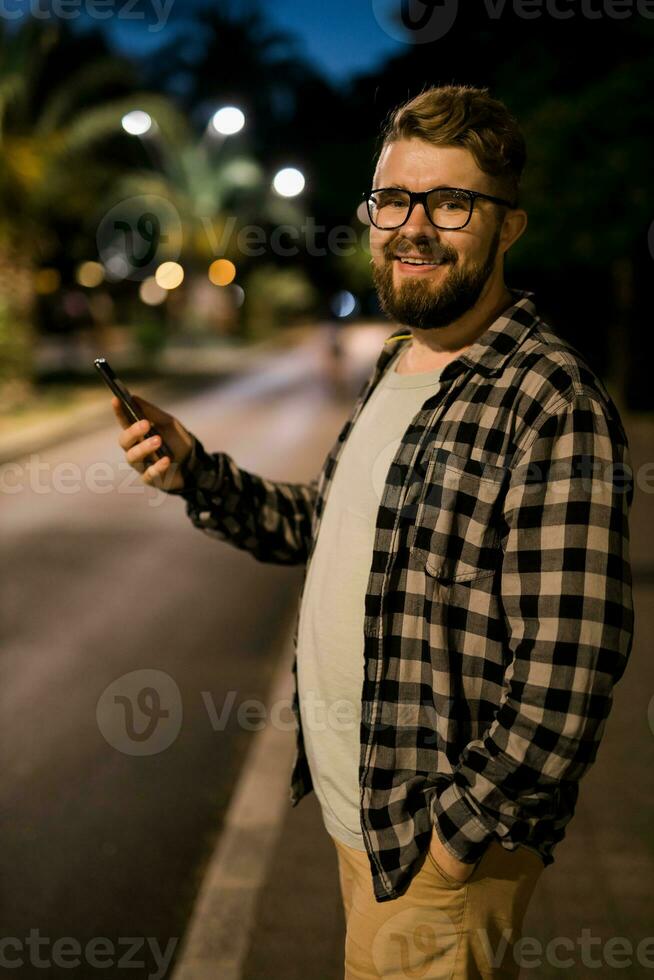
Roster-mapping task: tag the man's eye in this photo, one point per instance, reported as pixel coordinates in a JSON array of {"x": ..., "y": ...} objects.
[
  {"x": 451, "y": 205},
  {"x": 390, "y": 202}
]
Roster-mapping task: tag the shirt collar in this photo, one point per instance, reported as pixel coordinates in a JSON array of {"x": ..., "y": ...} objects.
[{"x": 492, "y": 349}]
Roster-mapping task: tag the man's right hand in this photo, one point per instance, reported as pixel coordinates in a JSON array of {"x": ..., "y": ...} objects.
[{"x": 164, "y": 474}]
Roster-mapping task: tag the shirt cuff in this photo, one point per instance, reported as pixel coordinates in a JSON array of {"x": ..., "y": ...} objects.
[
  {"x": 458, "y": 827},
  {"x": 201, "y": 471}
]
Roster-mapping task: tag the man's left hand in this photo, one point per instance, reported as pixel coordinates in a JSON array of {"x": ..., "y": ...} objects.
[{"x": 457, "y": 869}]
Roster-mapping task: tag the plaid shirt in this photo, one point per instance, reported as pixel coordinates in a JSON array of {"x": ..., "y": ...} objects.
[{"x": 498, "y": 610}]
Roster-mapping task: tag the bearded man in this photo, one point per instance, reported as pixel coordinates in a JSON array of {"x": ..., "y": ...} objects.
[{"x": 467, "y": 592}]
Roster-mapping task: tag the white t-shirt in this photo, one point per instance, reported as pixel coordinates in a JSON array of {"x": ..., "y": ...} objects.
[{"x": 330, "y": 630}]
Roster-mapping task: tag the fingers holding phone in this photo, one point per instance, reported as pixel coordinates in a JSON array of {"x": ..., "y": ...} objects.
[
  {"x": 161, "y": 473},
  {"x": 138, "y": 448},
  {"x": 148, "y": 432}
]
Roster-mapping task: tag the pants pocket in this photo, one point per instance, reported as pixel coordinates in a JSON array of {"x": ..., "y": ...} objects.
[{"x": 446, "y": 878}]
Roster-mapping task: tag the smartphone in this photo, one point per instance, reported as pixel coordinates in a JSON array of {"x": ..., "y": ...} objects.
[{"x": 133, "y": 413}]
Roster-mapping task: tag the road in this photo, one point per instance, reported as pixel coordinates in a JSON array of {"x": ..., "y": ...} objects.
[
  {"x": 97, "y": 842},
  {"x": 103, "y": 577}
]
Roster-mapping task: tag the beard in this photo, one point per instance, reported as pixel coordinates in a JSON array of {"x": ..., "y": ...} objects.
[{"x": 417, "y": 303}]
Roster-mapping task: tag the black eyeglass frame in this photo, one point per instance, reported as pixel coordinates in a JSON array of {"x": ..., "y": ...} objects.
[{"x": 420, "y": 197}]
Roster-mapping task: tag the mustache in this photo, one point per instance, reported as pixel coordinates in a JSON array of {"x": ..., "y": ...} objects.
[{"x": 426, "y": 248}]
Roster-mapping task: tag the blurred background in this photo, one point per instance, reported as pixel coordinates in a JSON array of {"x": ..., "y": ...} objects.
[{"x": 179, "y": 192}]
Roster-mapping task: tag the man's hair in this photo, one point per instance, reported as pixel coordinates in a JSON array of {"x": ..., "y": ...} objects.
[{"x": 461, "y": 115}]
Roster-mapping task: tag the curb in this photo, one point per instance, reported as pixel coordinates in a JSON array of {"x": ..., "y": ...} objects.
[
  {"x": 79, "y": 420},
  {"x": 222, "y": 923}
]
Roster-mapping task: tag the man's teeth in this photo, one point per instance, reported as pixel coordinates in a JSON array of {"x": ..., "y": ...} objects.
[{"x": 420, "y": 261}]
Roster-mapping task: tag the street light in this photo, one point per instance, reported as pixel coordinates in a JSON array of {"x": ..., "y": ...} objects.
[
  {"x": 289, "y": 182},
  {"x": 137, "y": 122},
  {"x": 228, "y": 120}
]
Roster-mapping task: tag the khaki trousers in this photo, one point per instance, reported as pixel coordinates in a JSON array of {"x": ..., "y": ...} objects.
[{"x": 439, "y": 929}]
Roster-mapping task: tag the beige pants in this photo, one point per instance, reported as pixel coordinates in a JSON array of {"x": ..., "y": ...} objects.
[{"x": 439, "y": 929}]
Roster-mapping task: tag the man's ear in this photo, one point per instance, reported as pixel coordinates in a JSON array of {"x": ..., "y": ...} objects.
[{"x": 513, "y": 226}]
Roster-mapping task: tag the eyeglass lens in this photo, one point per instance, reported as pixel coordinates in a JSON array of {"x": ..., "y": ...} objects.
[{"x": 447, "y": 208}]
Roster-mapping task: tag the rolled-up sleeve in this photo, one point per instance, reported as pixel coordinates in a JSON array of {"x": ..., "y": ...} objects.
[{"x": 566, "y": 601}]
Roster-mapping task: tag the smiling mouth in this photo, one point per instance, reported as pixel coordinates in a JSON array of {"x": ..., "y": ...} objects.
[{"x": 409, "y": 261}]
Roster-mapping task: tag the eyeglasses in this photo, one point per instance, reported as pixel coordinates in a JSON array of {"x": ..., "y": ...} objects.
[{"x": 449, "y": 208}]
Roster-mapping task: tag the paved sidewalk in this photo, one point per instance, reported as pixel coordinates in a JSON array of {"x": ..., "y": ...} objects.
[
  {"x": 190, "y": 369},
  {"x": 269, "y": 903},
  {"x": 299, "y": 923}
]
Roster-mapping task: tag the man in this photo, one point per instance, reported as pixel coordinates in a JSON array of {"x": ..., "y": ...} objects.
[{"x": 468, "y": 590}]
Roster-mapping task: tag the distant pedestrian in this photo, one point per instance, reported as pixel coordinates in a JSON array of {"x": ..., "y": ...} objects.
[{"x": 335, "y": 357}]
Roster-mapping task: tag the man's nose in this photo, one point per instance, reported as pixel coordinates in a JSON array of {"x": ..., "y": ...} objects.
[{"x": 418, "y": 222}]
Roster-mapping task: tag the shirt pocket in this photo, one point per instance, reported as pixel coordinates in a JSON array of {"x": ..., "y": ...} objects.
[{"x": 455, "y": 533}]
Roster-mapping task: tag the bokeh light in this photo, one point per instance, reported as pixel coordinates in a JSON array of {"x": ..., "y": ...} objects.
[
  {"x": 89, "y": 274},
  {"x": 238, "y": 294},
  {"x": 289, "y": 182},
  {"x": 343, "y": 303},
  {"x": 362, "y": 213},
  {"x": 75, "y": 304},
  {"x": 169, "y": 275},
  {"x": 228, "y": 120},
  {"x": 117, "y": 267},
  {"x": 242, "y": 172},
  {"x": 151, "y": 293},
  {"x": 137, "y": 122},
  {"x": 47, "y": 281},
  {"x": 222, "y": 272}
]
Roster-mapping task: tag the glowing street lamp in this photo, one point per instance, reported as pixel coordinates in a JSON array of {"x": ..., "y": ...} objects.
[
  {"x": 289, "y": 182},
  {"x": 137, "y": 122},
  {"x": 228, "y": 120}
]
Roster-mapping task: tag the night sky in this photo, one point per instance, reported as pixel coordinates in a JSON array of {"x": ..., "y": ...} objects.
[{"x": 341, "y": 37}]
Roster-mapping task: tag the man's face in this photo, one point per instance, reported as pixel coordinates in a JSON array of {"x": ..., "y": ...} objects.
[{"x": 461, "y": 263}]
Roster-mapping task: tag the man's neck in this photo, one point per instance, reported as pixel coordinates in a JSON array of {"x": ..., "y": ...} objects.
[{"x": 432, "y": 349}]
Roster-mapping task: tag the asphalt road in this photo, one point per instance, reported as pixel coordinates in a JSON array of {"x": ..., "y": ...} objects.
[{"x": 103, "y": 577}]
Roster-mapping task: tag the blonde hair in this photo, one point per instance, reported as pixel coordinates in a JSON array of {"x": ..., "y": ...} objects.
[{"x": 461, "y": 115}]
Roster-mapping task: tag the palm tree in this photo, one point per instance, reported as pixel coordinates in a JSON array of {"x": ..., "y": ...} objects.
[
  {"x": 53, "y": 122},
  {"x": 244, "y": 60}
]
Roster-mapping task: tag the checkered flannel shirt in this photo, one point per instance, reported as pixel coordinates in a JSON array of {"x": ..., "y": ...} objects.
[{"x": 498, "y": 609}]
